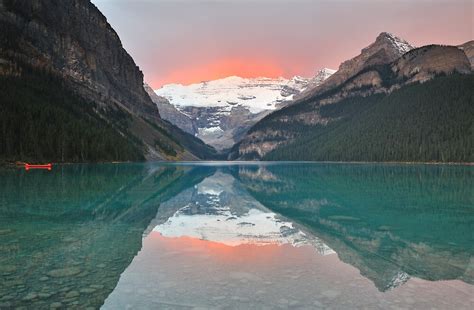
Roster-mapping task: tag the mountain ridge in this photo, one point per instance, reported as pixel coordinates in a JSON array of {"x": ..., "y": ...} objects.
[
  {"x": 359, "y": 77},
  {"x": 385, "y": 49}
]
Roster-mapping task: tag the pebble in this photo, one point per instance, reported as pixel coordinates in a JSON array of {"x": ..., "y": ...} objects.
[
  {"x": 72, "y": 294},
  {"x": 82, "y": 274},
  {"x": 7, "y": 269},
  {"x": 330, "y": 293},
  {"x": 97, "y": 286},
  {"x": 101, "y": 266},
  {"x": 44, "y": 295},
  {"x": 5, "y": 231},
  {"x": 283, "y": 301},
  {"x": 87, "y": 290},
  {"x": 56, "y": 305},
  {"x": 45, "y": 278},
  {"x": 30, "y": 296},
  {"x": 317, "y": 303},
  {"x": 64, "y": 272}
]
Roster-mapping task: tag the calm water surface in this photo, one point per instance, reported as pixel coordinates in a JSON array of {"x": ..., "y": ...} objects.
[{"x": 245, "y": 236}]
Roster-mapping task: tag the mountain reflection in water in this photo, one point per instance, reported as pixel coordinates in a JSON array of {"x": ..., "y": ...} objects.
[
  {"x": 390, "y": 222},
  {"x": 266, "y": 236},
  {"x": 238, "y": 236}
]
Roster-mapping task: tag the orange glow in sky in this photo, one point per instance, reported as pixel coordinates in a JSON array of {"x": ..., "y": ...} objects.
[
  {"x": 191, "y": 41},
  {"x": 220, "y": 69}
]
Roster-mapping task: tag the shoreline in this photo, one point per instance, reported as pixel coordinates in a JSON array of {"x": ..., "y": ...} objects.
[{"x": 18, "y": 164}]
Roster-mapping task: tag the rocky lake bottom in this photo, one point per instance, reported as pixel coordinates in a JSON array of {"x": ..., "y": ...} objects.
[{"x": 237, "y": 236}]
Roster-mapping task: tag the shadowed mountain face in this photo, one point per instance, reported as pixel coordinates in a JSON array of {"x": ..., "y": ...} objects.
[
  {"x": 390, "y": 222},
  {"x": 57, "y": 47}
]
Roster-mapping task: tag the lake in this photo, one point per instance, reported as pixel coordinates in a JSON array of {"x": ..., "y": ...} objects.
[{"x": 237, "y": 236}]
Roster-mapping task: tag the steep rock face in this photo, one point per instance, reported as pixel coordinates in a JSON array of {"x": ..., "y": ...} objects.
[
  {"x": 73, "y": 39},
  {"x": 257, "y": 144},
  {"x": 468, "y": 49},
  {"x": 377, "y": 70},
  {"x": 417, "y": 65},
  {"x": 170, "y": 113},
  {"x": 424, "y": 63},
  {"x": 221, "y": 111}
]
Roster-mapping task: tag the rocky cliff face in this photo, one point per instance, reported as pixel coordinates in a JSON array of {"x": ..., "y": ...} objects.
[
  {"x": 170, "y": 113},
  {"x": 417, "y": 65},
  {"x": 384, "y": 66},
  {"x": 422, "y": 64},
  {"x": 386, "y": 48},
  {"x": 72, "y": 40},
  {"x": 468, "y": 49}
]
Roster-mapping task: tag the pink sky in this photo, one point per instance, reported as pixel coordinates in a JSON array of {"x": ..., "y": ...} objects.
[{"x": 188, "y": 41}]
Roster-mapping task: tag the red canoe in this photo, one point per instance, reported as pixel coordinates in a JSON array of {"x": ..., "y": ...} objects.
[{"x": 45, "y": 166}]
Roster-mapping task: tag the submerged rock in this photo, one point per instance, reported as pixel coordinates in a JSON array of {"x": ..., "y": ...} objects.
[
  {"x": 56, "y": 305},
  {"x": 5, "y": 231},
  {"x": 87, "y": 290},
  {"x": 30, "y": 296},
  {"x": 72, "y": 294},
  {"x": 64, "y": 272}
]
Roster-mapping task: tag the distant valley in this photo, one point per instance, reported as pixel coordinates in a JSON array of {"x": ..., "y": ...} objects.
[{"x": 220, "y": 112}]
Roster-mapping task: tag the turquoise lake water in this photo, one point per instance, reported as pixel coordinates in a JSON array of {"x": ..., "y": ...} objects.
[{"x": 237, "y": 236}]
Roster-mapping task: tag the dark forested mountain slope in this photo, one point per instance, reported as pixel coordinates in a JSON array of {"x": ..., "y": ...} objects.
[
  {"x": 42, "y": 120},
  {"x": 433, "y": 121},
  {"x": 71, "y": 46},
  {"x": 365, "y": 82}
]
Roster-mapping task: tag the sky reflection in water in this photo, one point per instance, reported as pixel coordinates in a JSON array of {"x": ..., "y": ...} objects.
[{"x": 238, "y": 236}]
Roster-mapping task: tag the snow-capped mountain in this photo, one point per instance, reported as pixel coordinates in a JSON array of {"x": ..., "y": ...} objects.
[
  {"x": 221, "y": 111},
  {"x": 256, "y": 94}
]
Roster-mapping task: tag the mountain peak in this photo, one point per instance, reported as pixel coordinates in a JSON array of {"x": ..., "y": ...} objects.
[
  {"x": 386, "y": 49},
  {"x": 386, "y": 35},
  {"x": 327, "y": 71},
  {"x": 324, "y": 73},
  {"x": 391, "y": 40}
]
